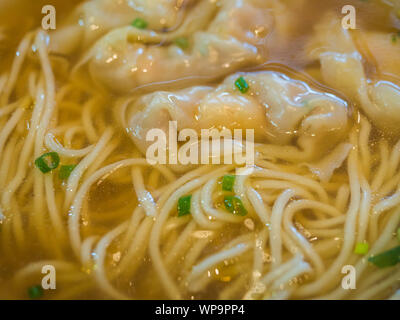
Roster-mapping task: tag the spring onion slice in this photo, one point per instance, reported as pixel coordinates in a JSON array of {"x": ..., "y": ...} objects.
[
  {"x": 65, "y": 171},
  {"x": 48, "y": 161},
  {"x": 242, "y": 85},
  {"x": 386, "y": 259},
  {"x": 235, "y": 205},
  {"x": 35, "y": 292},
  {"x": 139, "y": 23},
  {"x": 228, "y": 181},
  {"x": 361, "y": 248},
  {"x": 184, "y": 205}
]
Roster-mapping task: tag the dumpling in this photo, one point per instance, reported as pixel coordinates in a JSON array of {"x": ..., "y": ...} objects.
[
  {"x": 293, "y": 109},
  {"x": 157, "y": 109},
  {"x": 94, "y": 18},
  {"x": 219, "y": 38},
  {"x": 342, "y": 68},
  {"x": 278, "y": 108},
  {"x": 384, "y": 49}
]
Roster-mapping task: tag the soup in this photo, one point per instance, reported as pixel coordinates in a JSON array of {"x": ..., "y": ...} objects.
[{"x": 106, "y": 191}]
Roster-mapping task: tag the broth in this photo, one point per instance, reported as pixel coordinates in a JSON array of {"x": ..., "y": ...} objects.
[{"x": 112, "y": 222}]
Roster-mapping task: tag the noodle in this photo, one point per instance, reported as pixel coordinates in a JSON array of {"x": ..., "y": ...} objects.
[{"x": 325, "y": 179}]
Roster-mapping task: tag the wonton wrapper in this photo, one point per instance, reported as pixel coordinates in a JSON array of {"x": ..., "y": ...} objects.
[
  {"x": 278, "y": 108},
  {"x": 223, "y": 36},
  {"x": 342, "y": 68},
  {"x": 94, "y": 18}
]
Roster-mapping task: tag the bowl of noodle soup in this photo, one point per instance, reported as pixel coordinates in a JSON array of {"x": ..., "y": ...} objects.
[{"x": 320, "y": 200}]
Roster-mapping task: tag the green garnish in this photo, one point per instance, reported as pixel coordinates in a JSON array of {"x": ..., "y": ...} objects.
[
  {"x": 395, "y": 36},
  {"x": 398, "y": 234},
  {"x": 234, "y": 205},
  {"x": 47, "y": 162},
  {"x": 361, "y": 248},
  {"x": 386, "y": 259},
  {"x": 242, "y": 85},
  {"x": 65, "y": 171},
  {"x": 35, "y": 292},
  {"x": 184, "y": 205},
  {"x": 139, "y": 23},
  {"x": 182, "y": 42},
  {"x": 228, "y": 181}
]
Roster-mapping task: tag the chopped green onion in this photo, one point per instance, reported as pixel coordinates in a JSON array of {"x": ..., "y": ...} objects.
[
  {"x": 361, "y": 248},
  {"x": 394, "y": 38},
  {"x": 184, "y": 205},
  {"x": 242, "y": 85},
  {"x": 182, "y": 42},
  {"x": 48, "y": 162},
  {"x": 35, "y": 292},
  {"x": 228, "y": 181},
  {"x": 234, "y": 205},
  {"x": 139, "y": 23},
  {"x": 386, "y": 259},
  {"x": 65, "y": 171}
]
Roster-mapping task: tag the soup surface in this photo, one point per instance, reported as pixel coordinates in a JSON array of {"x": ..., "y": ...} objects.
[{"x": 88, "y": 91}]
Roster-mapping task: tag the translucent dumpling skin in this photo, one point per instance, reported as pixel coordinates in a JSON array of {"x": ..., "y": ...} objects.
[
  {"x": 279, "y": 110},
  {"x": 94, "y": 18},
  {"x": 343, "y": 68},
  {"x": 219, "y": 37}
]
